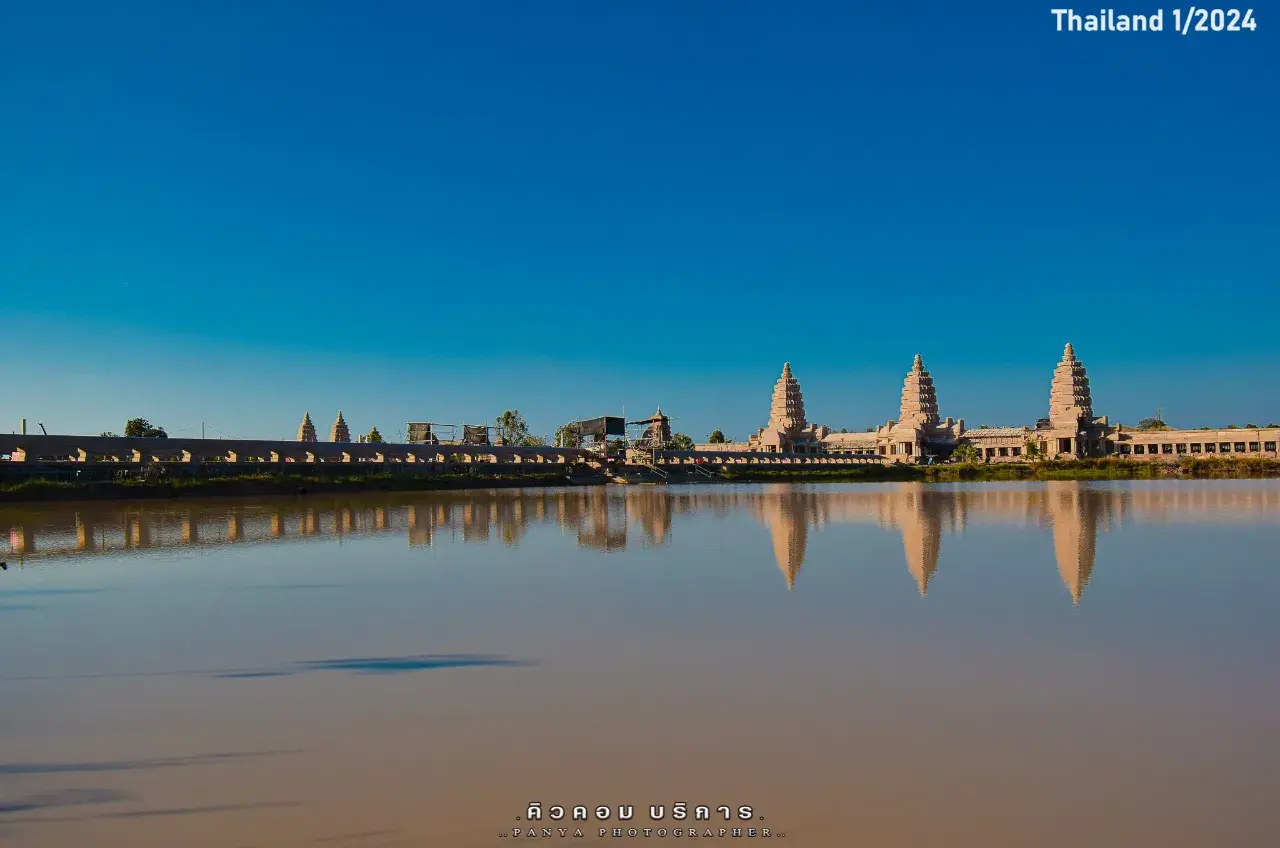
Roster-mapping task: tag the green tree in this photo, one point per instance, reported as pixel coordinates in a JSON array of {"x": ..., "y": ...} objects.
[
  {"x": 1232, "y": 427},
  {"x": 1156, "y": 423},
  {"x": 966, "y": 453},
  {"x": 1269, "y": 426},
  {"x": 680, "y": 441},
  {"x": 1251, "y": 426},
  {"x": 136, "y": 428},
  {"x": 716, "y": 438},
  {"x": 108, "y": 435},
  {"x": 512, "y": 427},
  {"x": 869, "y": 430},
  {"x": 844, "y": 429},
  {"x": 1032, "y": 449},
  {"x": 374, "y": 436},
  {"x": 533, "y": 441},
  {"x": 568, "y": 436}
]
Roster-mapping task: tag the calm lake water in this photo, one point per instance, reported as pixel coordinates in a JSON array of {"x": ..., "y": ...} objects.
[{"x": 1062, "y": 664}]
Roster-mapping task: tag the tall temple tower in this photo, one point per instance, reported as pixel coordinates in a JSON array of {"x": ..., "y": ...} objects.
[
  {"x": 786, "y": 413},
  {"x": 919, "y": 398},
  {"x": 1071, "y": 430},
  {"x": 919, "y": 430},
  {"x": 340, "y": 431},
  {"x": 787, "y": 430},
  {"x": 307, "y": 430},
  {"x": 1070, "y": 405}
]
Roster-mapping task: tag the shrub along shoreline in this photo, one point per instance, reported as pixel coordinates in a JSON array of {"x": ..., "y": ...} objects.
[
  {"x": 1077, "y": 469},
  {"x": 259, "y": 485}
]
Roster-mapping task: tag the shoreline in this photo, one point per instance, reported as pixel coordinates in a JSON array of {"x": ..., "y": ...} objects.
[
  {"x": 269, "y": 485},
  {"x": 1074, "y": 469},
  {"x": 262, "y": 485}
]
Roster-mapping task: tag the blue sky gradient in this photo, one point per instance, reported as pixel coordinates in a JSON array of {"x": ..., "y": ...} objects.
[{"x": 410, "y": 211}]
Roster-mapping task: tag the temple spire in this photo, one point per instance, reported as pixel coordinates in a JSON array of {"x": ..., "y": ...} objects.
[
  {"x": 786, "y": 412},
  {"x": 340, "y": 431},
  {"x": 1070, "y": 402},
  {"x": 919, "y": 406},
  {"x": 306, "y": 430}
]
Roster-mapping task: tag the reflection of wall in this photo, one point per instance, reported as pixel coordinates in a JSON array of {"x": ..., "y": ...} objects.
[{"x": 1073, "y": 512}]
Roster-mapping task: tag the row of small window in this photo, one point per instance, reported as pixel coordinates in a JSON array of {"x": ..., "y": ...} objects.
[
  {"x": 1004, "y": 452},
  {"x": 1209, "y": 447}
]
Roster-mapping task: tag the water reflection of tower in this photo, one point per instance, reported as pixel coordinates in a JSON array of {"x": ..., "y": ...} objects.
[
  {"x": 1076, "y": 512},
  {"x": 920, "y": 513},
  {"x": 787, "y": 512}
]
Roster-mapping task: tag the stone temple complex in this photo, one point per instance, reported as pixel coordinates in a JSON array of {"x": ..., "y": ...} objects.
[{"x": 920, "y": 434}]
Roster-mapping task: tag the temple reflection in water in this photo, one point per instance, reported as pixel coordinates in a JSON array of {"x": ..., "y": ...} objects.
[{"x": 1074, "y": 513}]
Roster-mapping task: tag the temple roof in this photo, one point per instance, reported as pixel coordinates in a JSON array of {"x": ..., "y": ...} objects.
[{"x": 979, "y": 432}]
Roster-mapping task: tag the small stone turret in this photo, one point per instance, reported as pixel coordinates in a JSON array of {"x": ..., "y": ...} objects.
[
  {"x": 919, "y": 398},
  {"x": 1070, "y": 404},
  {"x": 340, "y": 431},
  {"x": 786, "y": 413},
  {"x": 660, "y": 430},
  {"x": 307, "y": 430}
]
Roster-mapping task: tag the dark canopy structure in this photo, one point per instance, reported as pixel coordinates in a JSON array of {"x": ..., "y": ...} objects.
[{"x": 602, "y": 427}]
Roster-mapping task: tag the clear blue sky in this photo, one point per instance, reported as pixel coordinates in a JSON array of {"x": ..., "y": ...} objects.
[{"x": 235, "y": 212}]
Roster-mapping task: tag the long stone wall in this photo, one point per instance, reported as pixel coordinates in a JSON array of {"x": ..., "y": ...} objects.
[
  {"x": 1168, "y": 445},
  {"x": 122, "y": 450}
]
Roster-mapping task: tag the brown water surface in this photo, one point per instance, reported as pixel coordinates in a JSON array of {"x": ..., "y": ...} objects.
[{"x": 1061, "y": 664}]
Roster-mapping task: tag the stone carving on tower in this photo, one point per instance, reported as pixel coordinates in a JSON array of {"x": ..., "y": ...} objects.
[
  {"x": 1070, "y": 405},
  {"x": 307, "y": 430},
  {"x": 787, "y": 430},
  {"x": 919, "y": 398},
  {"x": 340, "y": 431},
  {"x": 786, "y": 412}
]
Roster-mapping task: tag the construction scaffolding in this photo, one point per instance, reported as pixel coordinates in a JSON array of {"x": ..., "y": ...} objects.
[
  {"x": 646, "y": 436},
  {"x": 433, "y": 433}
]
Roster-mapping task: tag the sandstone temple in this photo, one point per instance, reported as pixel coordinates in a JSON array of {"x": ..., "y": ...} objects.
[{"x": 920, "y": 434}]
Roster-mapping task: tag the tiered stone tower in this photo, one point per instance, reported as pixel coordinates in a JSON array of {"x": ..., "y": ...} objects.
[
  {"x": 307, "y": 430},
  {"x": 1070, "y": 405},
  {"x": 787, "y": 430},
  {"x": 786, "y": 413},
  {"x": 919, "y": 398},
  {"x": 340, "y": 431}
]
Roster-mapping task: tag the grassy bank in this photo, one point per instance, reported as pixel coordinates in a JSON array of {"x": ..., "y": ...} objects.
[
  {"x": 250, "y": 485},
  {"x": 1081, "y": 469},
  {"x": 259, "y": 485}
]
